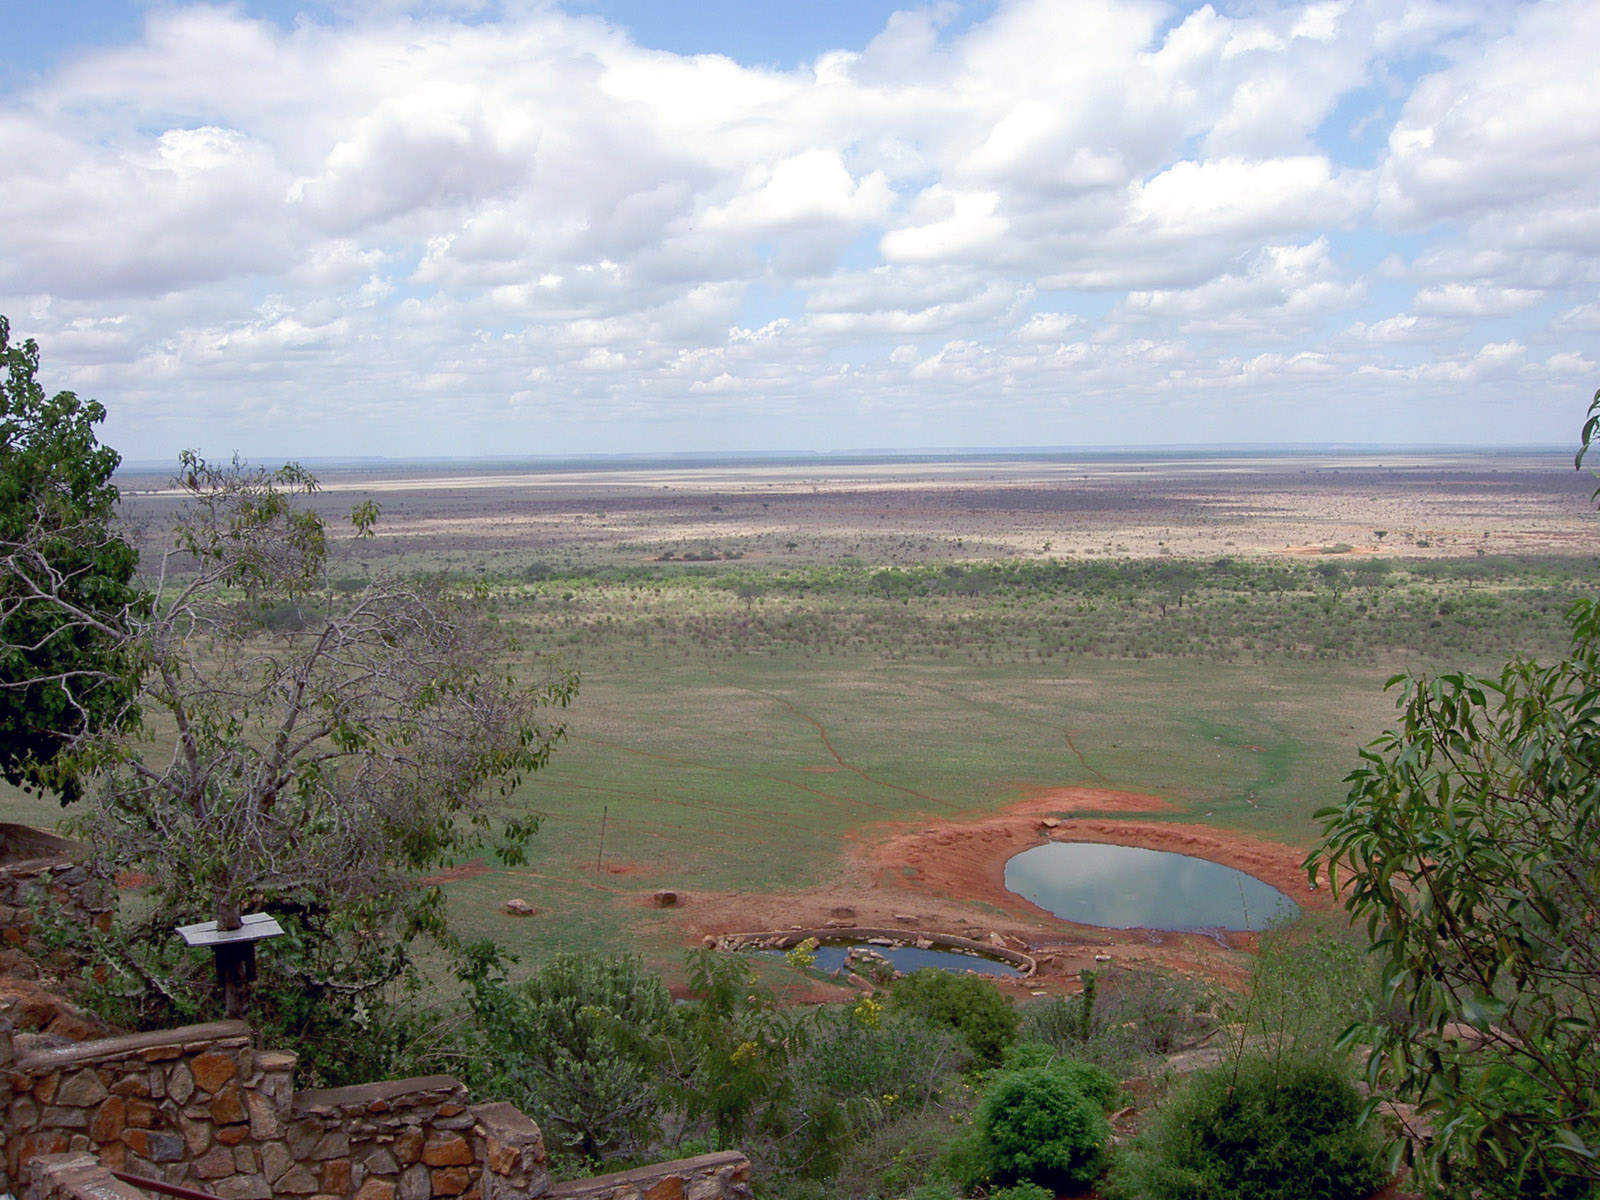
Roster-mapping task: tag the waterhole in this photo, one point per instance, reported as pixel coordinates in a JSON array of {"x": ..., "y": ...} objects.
[
  {"x": 1125, "y": 887},
  {"x": 831, "y": 955}
]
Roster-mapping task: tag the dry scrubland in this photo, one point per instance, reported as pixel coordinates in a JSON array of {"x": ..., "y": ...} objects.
[{"x": 786, "y": 666}]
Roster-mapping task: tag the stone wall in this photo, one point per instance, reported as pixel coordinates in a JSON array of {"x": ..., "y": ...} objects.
[
  {"x": 200, "y": 1107},
  {"x": 38, "y": 868}
]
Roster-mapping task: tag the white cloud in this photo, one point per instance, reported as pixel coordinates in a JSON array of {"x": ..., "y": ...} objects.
[
  {"x": 338, "y": 231},
  {"x": 1474, "y": 300}
]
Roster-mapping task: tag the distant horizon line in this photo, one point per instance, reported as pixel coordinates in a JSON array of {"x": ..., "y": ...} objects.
[{"x": 933, "y": 454}]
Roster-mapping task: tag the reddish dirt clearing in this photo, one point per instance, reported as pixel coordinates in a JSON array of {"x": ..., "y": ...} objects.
[{"x": 949, "y": 877}]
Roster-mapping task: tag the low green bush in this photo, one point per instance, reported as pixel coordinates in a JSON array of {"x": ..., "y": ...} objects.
[
  {"x": 1261, "y": 1129},
  {"x": 970, "y": 1004},
  {"x": 1037, "y": 1125}
]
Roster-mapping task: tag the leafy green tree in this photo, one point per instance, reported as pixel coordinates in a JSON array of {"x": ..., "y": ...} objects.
[
  {"x": 579, "y": 1046},
  {"x": 732, "y": 1049},
  {"x": 66, "y": 579}
]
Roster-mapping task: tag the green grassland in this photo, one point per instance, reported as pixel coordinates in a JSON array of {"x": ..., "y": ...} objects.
[
  {"x": 735, "y": 727},
  {"x": 738, "y": 724}
]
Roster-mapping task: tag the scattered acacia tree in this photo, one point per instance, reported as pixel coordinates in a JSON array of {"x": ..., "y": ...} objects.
[
  {"x": 1470, "y": 844},
  {"x": 66, "y": 580},
  {"x": 318, "y": 748}
]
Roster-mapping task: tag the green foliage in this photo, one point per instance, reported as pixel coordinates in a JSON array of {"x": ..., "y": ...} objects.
[
  {"x": 969, "y": 1004},
  {"x": 1255, "y": 1130},
  {"x": 854, "y": 1077},
  {"x": 66, "y": 580},
  {"x": 1037, "y": 1125},
  {"x": 1469, "y": 845},
  {"x": 1022, "y": 1191},
  {"x": 733, "y": 1049},
  {"x": 1090, "y": 1080},
  {"x": 1124, "y": 1020},
  {"x": 1305, "y": 991},
  {"x": 577, "y": 1046}
]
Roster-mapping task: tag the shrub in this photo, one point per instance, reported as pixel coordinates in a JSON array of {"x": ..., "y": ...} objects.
[
  {"x": 1037, "y": 1126},
  {"x": 969, "y": 1004},
  {"x": 1093, "y": 1082},
  {"x": 853, "y": 1078},
  {"x": 1128, "y": 1018},
  {"x": 1258, "y": 1130},
  {"x": 575, "y": 1045}
]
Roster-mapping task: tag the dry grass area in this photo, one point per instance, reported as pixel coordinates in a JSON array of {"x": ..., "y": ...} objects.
[{"x": 899, "y": 512}]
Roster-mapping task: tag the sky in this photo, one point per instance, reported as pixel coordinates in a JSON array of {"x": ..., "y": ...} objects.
[{"x": 495, "y": 228}]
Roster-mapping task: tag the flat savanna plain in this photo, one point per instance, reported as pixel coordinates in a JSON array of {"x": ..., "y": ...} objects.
[{"x": 818, "y": 686}]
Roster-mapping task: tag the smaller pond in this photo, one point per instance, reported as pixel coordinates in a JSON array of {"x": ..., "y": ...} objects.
[
  {"x": 831, "y": 956},
  {"x": 1124, "y": 887}
]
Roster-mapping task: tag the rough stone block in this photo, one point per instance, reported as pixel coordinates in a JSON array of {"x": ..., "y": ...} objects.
[
  {"x": 216, "y": 1163},
  {"x": 196, "y": 1135},
  {"x": 113, "y": 1156},
  {"x": 157, "y": 1147},
  {"x": 302, "y": 1136},
  {"x": 55, "y": 1116},
  {"x": 142, "y": 1114},
  {"x": 131, "y": 1085},
  {"x": 211, "y": 1070},
  {"x": 336, "y": 1176},
  {"x": 232, "y": 1135},
  {"x": 408, "y": 1144},
  {"x": 275, "y": 1060},
  {"x": 381, "y": 1162},
  {"x": 415, "y": 1183},
  {"x": 244, "y": 1160},
  {"x": 670, "y": 1188},
  {"x": 447, "y": 1150},
  {"x": 333, "y": 1144},
  {"x": 275, "y": 1160},
  {"x": 24, "y": 1114},
  {"x": 227, "y": 1106},
  {"x": 376, "y": 1189},
  {"x": 242, "y": 1187},
  {"x": 450, "y": 1181},
  {"x": 81, "y": 1090},
  {"x": 180, "y": 1083},
  {"x": 296, "y": 1181},
  {"x": 109, "y": 1120}
]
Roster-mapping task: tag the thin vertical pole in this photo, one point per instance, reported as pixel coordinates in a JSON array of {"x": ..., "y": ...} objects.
[{"x": 601, "y": 852}]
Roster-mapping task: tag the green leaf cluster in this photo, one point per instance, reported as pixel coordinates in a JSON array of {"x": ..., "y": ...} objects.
[
  {"x": 969, "y": 1004},
  {"x": 1469, "y": 845},
  {"x": 66, "y": 579}
]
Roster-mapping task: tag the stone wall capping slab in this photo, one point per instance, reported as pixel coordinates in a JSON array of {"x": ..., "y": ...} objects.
[{"x": 34, "y": 1058}]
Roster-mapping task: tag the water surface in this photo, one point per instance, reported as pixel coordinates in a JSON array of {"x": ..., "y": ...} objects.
[{"x": 1125, "y": 887}]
